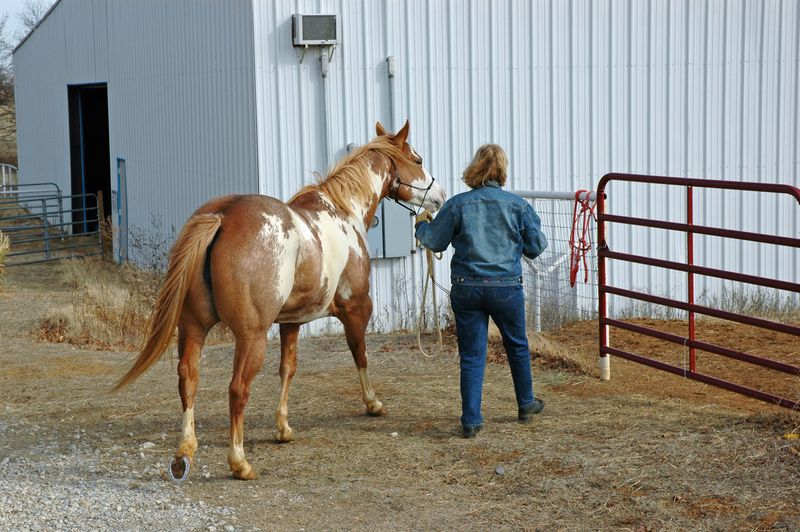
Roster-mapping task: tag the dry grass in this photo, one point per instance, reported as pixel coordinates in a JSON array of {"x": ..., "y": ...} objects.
[
  {"x": 545, "y": 353},
  {"x": 107, "y": 234},
  {"x": 110, "y": 306}
]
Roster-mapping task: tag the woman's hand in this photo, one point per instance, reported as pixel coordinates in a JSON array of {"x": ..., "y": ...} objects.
[{"x": 424, "y": 216}]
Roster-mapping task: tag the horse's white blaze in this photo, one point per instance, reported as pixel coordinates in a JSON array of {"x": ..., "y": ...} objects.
[
  {"x": 428, "y": 177},
  {"x": 435, "y": 197}
]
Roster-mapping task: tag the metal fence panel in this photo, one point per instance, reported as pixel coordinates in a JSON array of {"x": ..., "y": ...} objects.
[{"x": 44, "y": 226}]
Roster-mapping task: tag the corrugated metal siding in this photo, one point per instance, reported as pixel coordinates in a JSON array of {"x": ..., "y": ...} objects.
[
  {"x": 181, "y": 93},
  {"x": 573, "y": 90},
  {"x": 41, "y": 103},
  {"x": 182, "y": 104}
]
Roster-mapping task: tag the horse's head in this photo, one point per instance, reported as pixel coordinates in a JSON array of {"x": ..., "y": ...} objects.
[{"x": 408, "y": 179}]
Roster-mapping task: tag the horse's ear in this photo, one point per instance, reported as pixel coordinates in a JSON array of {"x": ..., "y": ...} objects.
[
  {"x": 402, "y": 135},
  {"x": 379, "y": 129}
]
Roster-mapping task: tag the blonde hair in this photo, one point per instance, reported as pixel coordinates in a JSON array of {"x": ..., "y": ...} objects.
[{"x": 489, "y": 164}]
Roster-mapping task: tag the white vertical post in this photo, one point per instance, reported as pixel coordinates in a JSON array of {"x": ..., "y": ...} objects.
[{"x": 537, "y": 304}]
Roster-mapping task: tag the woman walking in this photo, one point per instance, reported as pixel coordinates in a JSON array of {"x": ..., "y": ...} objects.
[{"x": 490, "y": 229}]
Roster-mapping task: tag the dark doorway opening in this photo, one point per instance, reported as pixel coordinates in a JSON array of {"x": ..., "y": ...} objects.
[{"x": 90, "y": 158}]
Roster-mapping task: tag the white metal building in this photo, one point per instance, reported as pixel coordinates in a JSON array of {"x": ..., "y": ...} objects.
[{"x": 209, "y": 97}]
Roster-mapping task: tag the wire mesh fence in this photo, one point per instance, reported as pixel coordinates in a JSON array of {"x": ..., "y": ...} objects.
[{"x": 551, "y": 300}]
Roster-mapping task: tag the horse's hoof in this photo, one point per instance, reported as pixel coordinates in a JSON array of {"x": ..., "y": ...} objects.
[
  {"x": 285, "y": 436},
  {"x": 245, "y": 472},
  {"x": 178, "y": 469},
  {"x": 377, "y": 413}
]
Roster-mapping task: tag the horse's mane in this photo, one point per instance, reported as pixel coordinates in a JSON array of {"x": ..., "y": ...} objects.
[{"x": 349, "y": 177}]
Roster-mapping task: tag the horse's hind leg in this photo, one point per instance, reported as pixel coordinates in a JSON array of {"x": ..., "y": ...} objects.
[
  {"x": 250, "y": 348},
  {"x": 355, "y": 317},
  {"x": 191, "y": 337},
  {"x": 289, "y": 333}
]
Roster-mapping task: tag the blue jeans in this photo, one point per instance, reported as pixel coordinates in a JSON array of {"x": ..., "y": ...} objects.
[{"x": 472, "y": 306}]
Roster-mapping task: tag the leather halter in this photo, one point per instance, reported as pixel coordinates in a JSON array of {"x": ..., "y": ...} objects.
[{"x": 397, "y": 183}]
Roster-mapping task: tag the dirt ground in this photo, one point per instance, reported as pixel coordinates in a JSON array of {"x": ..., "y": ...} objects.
[
  {"x": 645, "y": 451},
  {"x": 581, "y": 341}
]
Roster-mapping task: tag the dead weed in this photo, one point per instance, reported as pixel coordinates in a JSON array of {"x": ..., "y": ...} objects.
[
  {"x": 110, "y": 307},
  {"x": 545, "y": 353}
]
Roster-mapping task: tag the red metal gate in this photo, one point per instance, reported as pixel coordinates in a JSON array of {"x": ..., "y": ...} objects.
[{"x": 689, "y": 306}]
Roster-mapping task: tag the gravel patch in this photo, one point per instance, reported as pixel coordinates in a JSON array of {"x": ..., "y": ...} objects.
[{"x": 74, "y": 487}]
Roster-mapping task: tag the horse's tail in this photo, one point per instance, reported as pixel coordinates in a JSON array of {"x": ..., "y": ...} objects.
[{"x": 185, "y": 260}]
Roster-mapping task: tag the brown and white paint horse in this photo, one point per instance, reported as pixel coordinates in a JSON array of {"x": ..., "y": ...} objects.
[{"x": 250, "y": 261}]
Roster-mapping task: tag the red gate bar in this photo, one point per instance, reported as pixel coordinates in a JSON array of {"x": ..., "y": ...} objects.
[
  {"x": 708, "y": 311},
  {"x": 690, "y": 269},
  {"x": 709, "y": 272},
  {"x": 701, "y": 183},
  {"x": 700, "y": 229},
  {"x": 708, "y": 379},
  {"x": 705, "y": 346}
]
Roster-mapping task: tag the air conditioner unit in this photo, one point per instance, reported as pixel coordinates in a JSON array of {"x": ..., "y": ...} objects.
[{"x": 315, "y": 30}]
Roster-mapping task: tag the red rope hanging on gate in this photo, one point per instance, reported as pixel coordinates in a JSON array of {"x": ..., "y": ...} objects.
[{"x": 581, "y": 246}]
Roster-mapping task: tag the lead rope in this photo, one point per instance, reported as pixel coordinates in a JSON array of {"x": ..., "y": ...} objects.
[
  {"x": 580, "y": 241},
  {"x": 431, "y": 276}
]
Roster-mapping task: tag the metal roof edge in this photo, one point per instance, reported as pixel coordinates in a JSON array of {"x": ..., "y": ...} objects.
[{"x": 21, "y": 42}]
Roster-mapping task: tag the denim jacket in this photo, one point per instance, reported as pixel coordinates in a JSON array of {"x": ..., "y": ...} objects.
[{"x": 490, "y": 230}]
